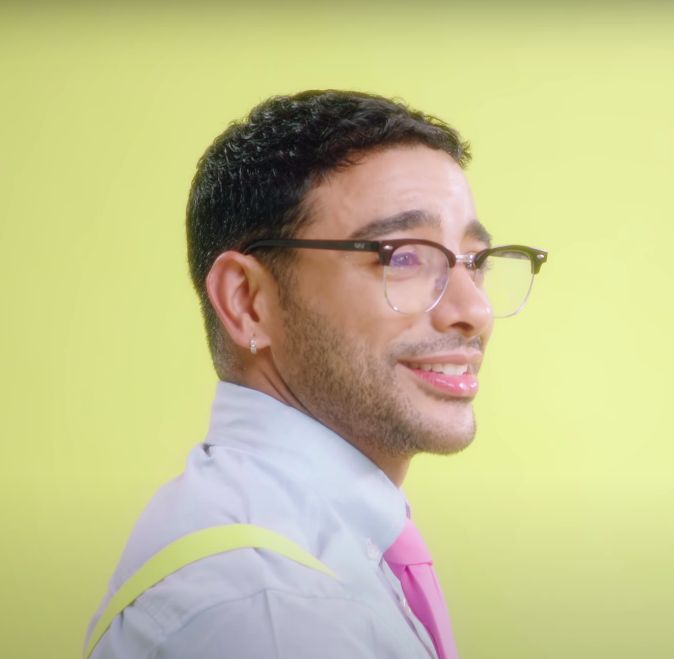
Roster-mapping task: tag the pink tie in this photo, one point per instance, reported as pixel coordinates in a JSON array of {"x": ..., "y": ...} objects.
[{"x": 410, "y": 561}]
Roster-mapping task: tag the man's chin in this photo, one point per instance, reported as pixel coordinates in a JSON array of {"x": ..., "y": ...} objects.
[
  {"x": 443, "y": 409},
  {"x": 449, "y": 429}
]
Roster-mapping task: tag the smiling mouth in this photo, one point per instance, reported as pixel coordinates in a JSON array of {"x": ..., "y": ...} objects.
[
  {"x": 451, "y": 380},
  {"x": 443, "y": 369}
]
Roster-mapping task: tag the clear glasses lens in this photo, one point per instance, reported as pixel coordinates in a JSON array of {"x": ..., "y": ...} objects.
[
  {"x": 417, "y": 277},
  {"x": 507, "y": 280}
]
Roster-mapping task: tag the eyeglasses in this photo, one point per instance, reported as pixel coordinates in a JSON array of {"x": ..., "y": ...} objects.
[{"x": 417, "y": 272}]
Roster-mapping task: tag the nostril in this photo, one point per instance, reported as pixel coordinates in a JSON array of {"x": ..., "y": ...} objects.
[{"x": 466, "y": 328}]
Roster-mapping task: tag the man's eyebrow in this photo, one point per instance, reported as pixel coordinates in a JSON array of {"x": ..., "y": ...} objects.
[
  {"x": 411, "y": 220},
  {"x": 399, "y": 222},
  {"x": 477, "y": 230}
]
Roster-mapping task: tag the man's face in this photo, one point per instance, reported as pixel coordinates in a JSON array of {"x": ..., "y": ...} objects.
[{"x": 347, "y": 357}]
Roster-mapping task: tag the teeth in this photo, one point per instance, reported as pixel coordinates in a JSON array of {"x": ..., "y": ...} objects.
[{"x": 445, "y": 369}]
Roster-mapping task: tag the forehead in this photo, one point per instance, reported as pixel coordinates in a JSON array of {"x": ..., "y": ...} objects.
[{"x": 391, "y": 182}]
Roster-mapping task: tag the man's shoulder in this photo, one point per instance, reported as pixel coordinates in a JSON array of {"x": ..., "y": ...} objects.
[
  {"x": 220, "y": 487},
  {"x": 253, "y": 595},
  {"x": 234, "y": 600},
  {"x": 233, "y": 577}
]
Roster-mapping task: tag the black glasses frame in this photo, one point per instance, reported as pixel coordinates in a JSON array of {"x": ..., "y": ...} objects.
[{"x": 385, "y": 249}]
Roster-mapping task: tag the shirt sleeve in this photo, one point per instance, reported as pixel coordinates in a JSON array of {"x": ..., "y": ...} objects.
[{"x": 276, "y": 625}]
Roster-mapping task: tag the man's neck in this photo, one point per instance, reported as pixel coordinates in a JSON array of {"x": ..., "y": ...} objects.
[{"x": 395, "y": 467}]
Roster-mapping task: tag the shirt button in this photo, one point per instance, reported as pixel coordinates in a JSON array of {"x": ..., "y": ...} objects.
[{"x": 372, "y": 550}]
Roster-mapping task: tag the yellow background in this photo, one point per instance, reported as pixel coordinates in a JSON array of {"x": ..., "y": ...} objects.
[{"x": 553, "y": 534}]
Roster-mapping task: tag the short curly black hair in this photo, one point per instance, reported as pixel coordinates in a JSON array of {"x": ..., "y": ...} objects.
[{"x": 252, "y": 181}]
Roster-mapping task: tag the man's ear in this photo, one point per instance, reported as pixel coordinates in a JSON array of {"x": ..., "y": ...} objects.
[{"x": 240, "y": 290}]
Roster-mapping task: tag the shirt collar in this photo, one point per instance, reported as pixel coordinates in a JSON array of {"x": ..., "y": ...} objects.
[{"x": 252, "y": 421}]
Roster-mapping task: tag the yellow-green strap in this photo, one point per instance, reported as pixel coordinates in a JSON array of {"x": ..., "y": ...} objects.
[{"x": 194, "y": 547}]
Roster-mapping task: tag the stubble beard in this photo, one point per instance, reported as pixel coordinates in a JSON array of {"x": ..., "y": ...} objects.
[{"x": 343, "y": 386}]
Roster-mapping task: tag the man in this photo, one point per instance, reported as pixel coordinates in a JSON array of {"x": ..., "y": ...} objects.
[{"x": 348, "y": 292}]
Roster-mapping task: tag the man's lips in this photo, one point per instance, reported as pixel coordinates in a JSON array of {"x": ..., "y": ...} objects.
[{"x": 453, "y": 375}]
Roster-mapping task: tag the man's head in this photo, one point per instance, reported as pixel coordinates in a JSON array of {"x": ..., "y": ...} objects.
[{"x": 341, "y": 166}]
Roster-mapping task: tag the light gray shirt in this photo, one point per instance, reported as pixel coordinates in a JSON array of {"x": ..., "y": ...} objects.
[{"x": 265, "y": 463}]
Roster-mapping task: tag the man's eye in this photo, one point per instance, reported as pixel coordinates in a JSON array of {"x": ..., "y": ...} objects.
[
  {"x": 405, "y": 260},
  {"x": 486, "y": 263}
]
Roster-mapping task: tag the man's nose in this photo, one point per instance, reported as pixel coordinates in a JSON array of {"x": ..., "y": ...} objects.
[{"x": 464, "y": 306}]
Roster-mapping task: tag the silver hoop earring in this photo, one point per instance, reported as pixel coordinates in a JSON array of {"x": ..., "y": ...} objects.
[{"x": 253, "y": 346}]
